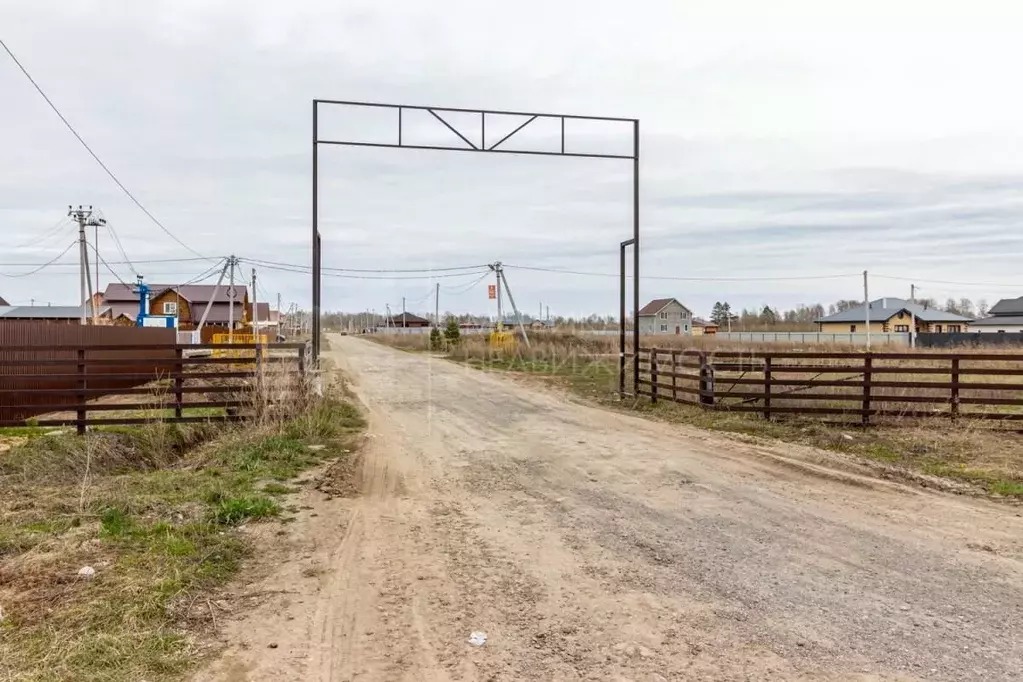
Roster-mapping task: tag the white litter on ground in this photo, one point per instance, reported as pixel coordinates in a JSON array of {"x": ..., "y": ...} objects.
[
  {"x": 478, "y": 638},
  {"x": 86, "y": 572}
]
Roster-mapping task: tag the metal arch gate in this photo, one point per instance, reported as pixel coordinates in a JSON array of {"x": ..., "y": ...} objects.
[{"x": 464, "y": 144}]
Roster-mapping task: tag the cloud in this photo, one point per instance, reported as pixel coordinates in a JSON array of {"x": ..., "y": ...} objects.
[{"x": 788, "y": 139}]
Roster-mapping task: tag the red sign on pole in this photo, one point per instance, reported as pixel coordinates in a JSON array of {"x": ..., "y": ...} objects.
[{"x": 492, "y": 291}]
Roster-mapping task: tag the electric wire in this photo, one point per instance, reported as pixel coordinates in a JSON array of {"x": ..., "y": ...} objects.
[
  {"x": 95, "y": 156},
  {"x": 47, "y": 235},
  {"x": 44, "y": 265}
]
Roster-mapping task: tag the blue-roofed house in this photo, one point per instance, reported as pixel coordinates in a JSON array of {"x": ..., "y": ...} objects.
[{"x": 893, "y": 315}]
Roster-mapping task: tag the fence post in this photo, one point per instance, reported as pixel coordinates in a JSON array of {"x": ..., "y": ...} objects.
[
  {"x": 955, "y": 389},
  {"x": 82, "y": 414},
  {"x": 706, "y": 382},
  {"x": 653, "y": 374},
  {"x": 767, "y": 387},
  {"x": 179, "y": 381},
  {"x": 258, "y": 397},
  {"x": 674, "y": 380},
  {"x": 867, "y": 364}
]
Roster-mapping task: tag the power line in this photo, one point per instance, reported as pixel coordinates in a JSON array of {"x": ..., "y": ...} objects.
[
  {"x": 685, "y": 279},
  {"x": 48, "y": 234},
  {"x": 1003, "y": 285},
  {"x": 370, "y": 270},
  {"x": 95, "y": 157},
  {"x": 305, "y": 270},
  {"x": 44, "y": 265},
  {"x": 462, "y": 290},
  {"x": 120, "y": 262}
]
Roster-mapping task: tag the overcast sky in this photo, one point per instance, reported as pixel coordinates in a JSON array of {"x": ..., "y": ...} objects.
[{"x": 781, "y": 139}]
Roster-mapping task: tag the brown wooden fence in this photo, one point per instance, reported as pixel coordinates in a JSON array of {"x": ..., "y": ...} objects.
[
  {"x": 869, "y": 387},
  {"x": 136, "y": 384}
]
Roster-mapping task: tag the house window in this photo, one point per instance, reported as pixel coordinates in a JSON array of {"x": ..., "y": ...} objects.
[
  {"x": 901, "y": 314},
  {"x": 664, "y": 316},
  {"x": 686, "y": 328},
  {"x": 852, "y": 329},
  {"x": 170, "y": 308},
  {"x": 664, "y": 327},
  {"x": 885, "y": 328},
  {"x": 954, "y": 328},
  {"x": 937, "y": 329},
  {"x": 902, "y": 328}
]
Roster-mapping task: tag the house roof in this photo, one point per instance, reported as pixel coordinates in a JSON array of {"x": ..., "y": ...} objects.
[
  {"x": 1008, "y": 306},
  {"x": 193, "y": 293},
  {"x": 406, "y": 318},
  {"x": 998, "y": 321},
  {"x": 883, "y": 308},
  {"x": 657, "y": 305},
  {"x": 46, "y": 312},
  {"x": 4, "y": 303},
  {"x": 700, "y": 322}
]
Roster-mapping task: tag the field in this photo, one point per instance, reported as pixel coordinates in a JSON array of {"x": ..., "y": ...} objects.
[{"x": 966, "y": 456}]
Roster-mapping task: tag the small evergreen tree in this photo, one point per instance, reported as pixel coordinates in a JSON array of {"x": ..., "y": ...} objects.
[
  {"x": 451, "y": 333},
  {"x": 436, "y": 339}
]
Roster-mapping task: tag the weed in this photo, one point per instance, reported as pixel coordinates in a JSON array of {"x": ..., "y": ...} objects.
[{"x": 234, "y": 510}]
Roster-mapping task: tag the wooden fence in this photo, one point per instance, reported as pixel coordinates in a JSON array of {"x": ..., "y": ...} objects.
[
  {"x": 869, "y": 387},
  {"x": 139, "y": 384}
]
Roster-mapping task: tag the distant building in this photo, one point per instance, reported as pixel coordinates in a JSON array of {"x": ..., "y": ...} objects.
[
  {"x": 665, "y": 316},
  {"x": 703, "y": 327},
  {"x": 407, "y": 320},
  {"x": 188, "y": 303},
  {"x": 1006, "y": 316},
  {"x": 58, "y": 314},
  {"x": 893, "y": 315}
]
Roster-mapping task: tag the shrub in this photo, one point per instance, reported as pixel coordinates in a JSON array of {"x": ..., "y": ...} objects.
[{"x": 451, "y": 333}]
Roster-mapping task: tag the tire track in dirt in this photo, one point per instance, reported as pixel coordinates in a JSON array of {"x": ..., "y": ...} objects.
[{"x": 591, "y": 545}]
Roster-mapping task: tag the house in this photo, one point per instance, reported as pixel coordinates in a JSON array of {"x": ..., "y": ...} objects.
[
  {"x": 4, "y": 303},
  {"x": 58, "y": 314},
  {"x": 665, "y": 316},
  {"x": 702, "y": 327},
  {"x": 186, "y": 302},
  {"x": 1006, "y": 316},
  {"x": 893, "y": 315},
  {"x": 407, "y": 320}
]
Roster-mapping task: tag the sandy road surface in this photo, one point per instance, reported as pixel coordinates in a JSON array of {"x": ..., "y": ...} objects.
[{"x": 590, "y": 546}]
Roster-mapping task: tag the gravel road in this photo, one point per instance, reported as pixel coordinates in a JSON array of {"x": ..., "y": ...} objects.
[{"x": 591, "y": 545}]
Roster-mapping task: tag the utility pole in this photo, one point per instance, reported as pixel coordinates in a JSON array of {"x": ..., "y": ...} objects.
[
  {"x": 866, "y": 307},
  {"x": 912, "y": 317},
  {"x": 83, "y": 216},
  {"x": 96, "y": 249},
  {"x": 209, "y": 304},
  {"x": 436, "y": 307},
  {"x": 232, "y": 294},
  {"x": 403, "y": 325},
  {"x": 496, "y": 267},
  {"x": 511, "y": 300},
  {"x": 255, "y": 314}
]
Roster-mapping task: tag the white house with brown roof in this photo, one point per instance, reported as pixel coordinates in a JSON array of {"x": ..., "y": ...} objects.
[{"x": 665, "y": 316}]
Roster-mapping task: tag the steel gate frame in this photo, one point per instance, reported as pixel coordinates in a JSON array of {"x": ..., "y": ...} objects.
[{"x": 466, "y": 145}]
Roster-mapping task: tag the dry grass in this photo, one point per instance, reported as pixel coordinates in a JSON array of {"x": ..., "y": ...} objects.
[
  {"x": 157, "y": 518},
  {"x": 984, "y": 456}
]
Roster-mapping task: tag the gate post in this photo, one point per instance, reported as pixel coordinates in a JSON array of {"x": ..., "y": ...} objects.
[
  {"x": 706, "y": 382},
  {"x": 767, "y": 387},
  {"x": 867, "y": 363}
]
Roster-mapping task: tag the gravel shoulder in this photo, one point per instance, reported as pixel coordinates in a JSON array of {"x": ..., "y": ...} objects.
[{"x": 591, "y": 545}]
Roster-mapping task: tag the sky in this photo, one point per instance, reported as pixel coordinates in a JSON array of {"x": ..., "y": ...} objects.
[{"x": 786, "y": 147}]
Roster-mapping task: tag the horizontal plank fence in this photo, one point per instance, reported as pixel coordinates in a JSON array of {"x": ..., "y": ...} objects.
[
  {"x": 862, "y": 387},
  {"x": 64, "y": 385}
]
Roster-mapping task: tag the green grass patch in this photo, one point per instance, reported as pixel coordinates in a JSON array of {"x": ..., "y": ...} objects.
[{"x": 157, "y": 525}]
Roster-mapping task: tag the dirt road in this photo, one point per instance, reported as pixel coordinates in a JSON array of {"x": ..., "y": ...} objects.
[{"x": 589, "y": 545}]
